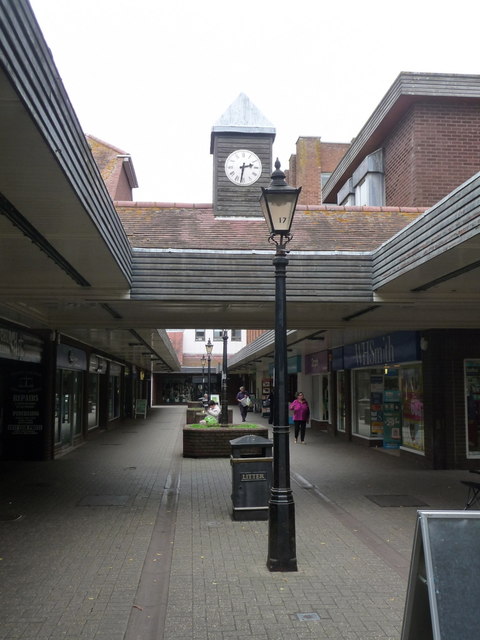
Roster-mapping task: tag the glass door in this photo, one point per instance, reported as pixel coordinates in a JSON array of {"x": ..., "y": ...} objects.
[{"x": 68, "y": 414}]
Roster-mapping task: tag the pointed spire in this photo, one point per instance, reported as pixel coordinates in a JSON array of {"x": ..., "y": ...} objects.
[{"x": 242, "y": 116}]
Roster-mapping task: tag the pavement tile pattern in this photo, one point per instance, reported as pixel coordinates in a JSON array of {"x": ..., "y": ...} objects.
[{"x": 124, "y": 539}]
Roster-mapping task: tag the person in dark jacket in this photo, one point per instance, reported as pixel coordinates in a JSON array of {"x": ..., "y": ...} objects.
[
  {"x": 301, "y": 415},
  {"x": 243, "y": 399}
]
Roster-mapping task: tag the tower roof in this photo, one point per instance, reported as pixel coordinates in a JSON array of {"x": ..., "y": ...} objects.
[{"x": 242, "y": 116}]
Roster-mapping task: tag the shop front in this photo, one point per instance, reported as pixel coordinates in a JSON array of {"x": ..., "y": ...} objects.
[
  {"x": 340, "y": 377},
  {"x": 387, "y": 391},
  {"x": 23, "y": 430},
  {"x": 317, "y": 366},
  {"x": 69, "y": 390},
  {"x": 96, "y": 374}
]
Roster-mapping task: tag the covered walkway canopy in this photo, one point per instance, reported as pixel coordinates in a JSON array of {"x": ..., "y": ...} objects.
[{"x": 75, "y": 262}]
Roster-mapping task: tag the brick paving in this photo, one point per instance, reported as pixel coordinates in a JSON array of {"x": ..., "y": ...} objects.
[{"x": 125, "y": 539}]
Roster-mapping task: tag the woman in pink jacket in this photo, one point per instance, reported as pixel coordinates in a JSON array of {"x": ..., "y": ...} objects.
[{"x": 301, "y": 415}]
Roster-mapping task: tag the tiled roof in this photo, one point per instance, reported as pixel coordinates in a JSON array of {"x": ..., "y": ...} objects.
[{"x": 315, "y": 228}]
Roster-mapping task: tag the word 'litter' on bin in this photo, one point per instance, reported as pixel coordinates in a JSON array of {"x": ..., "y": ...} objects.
[{"x": 251, "y": 462}]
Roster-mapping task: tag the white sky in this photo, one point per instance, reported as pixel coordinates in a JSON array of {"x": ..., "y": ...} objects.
[{"x": 152, "y": 76}]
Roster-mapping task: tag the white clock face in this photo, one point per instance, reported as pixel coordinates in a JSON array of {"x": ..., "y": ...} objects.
[{"x": 243, "y": 167}]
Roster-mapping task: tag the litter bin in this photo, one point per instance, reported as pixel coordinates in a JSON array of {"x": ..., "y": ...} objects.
[{"x": 251, "y": 462}]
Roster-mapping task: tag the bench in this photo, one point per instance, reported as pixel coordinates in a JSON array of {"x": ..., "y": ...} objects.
[{"x": 473, "y": 496}]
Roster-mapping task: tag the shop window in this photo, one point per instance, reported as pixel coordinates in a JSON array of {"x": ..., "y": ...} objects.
[
  {"x": 68, "y": 408},
  {"x": 320, "y": 402},
  {"x": 113, "y": 397},
  {"x": 93, "y": 397},
  {"x": 341, "y": 400},
  {"x": 411, "y": 388},
  {"x": 368, "y": 402},
  {"x": 472, "y": 406}
]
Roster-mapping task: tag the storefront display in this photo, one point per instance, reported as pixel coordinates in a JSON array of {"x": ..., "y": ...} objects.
[
  {"x": 411, "y": 383},
  {"x": 472, "y": 406},
  {"x": 392, "y": 415},
  {"x": 341, "y": 406},
  {"x": 316, "y": 365},
  {"x": 388, "y": 389},
  {"x": 368, "y": 403},
  {"x": 71, "y": 365}
]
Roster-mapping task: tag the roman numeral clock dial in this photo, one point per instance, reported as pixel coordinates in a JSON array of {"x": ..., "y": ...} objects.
[{"x": 243, "y": 167}]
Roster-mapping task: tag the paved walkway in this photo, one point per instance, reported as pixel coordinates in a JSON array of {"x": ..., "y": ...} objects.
[{"x": 123, "y": 539}]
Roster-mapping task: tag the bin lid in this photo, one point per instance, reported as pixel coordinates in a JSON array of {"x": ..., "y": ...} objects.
[{"x": 248, "y": 441}]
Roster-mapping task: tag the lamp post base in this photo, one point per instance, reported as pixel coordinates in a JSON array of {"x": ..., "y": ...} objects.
[{"x": 282, "y": 554}]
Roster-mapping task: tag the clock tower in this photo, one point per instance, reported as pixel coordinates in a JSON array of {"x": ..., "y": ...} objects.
[{"x": 241, "y": 144}]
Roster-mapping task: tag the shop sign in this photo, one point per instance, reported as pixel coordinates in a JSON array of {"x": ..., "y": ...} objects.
[
  {"x": 15, "y": 345},
  {"x": 71, "y": 358},
  {"x": 294, "y": 365},
  {"x": 115, "y": 369},
  {"x": 337, "y": 363},
  {"x": 402, "y": 346},
  {"x": 316, "y": 362},
  {"x": 97, "y": 364}
]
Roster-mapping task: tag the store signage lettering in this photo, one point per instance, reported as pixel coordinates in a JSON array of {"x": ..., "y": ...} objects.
[
  {"x": 23, "y": 407},
  {"x": 253, "y": 477},
  {"x": 402, "y": 346},
  {"x": 371, "y": 353},
  {"x": 316, "y": 362}
]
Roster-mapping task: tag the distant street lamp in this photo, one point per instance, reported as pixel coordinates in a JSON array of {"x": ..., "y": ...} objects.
[
  {"x": 224, "y": 399},
  {"x": 278, "y": 202},
  {"x": 209, "y": 349}
]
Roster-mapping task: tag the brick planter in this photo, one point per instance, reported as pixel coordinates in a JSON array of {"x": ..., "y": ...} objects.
[{"x": 214, "y": 442}]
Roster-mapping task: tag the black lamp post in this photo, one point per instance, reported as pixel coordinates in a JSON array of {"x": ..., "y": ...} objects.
[
  {"x": 209, "y": 349},
  {"x": 224, "y": 399},
  {"x": 278, "y": 202}
]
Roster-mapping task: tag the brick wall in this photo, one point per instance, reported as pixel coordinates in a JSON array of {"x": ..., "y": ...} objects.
[
  {"x": 313, "y": 158},
  {"x": 332, "y": 153},
  {"x": 433, "y": 149},
  {"x": 253, "y": 334},
  {"x": 176, "y": 338}
]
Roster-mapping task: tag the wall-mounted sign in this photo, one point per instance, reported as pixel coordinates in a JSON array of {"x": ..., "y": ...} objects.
[
  {"x": 23, "y": 404},
  {"x": 317, "y": 362},
  {"x": 337, "y": 363},
  {"x": 402, "y": 346},
  {"x": 71, "y": 358},
  {"x": 97, "y": 364},
  {"x": 16, "y": 345}
]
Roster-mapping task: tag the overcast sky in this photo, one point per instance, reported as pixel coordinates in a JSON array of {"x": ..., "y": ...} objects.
[{"x": 153, "y": 76}]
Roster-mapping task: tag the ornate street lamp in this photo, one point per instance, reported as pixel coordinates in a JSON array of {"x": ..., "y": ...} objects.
[
  {"x": 278, "y": 202},
  {"x": 209, "y": 349},
  {"x": 224, "y": 399}
]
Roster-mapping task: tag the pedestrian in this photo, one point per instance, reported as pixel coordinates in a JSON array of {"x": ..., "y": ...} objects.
[
  {"x": 271, "y": 400},
  {"x": 301, "y": 415},
  {"x": 243, "y": 399},
  {"x": 212, "y": 412},
  {"x": 213, "y": 409},
  {"x": 204, "y": 400}
]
